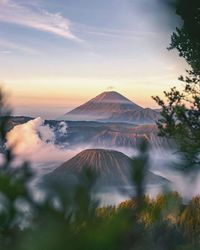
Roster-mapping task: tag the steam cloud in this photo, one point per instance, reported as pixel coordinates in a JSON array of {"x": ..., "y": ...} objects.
[
  {"x": 34, "y": 141},
  {"x": 63, "y": 128}
]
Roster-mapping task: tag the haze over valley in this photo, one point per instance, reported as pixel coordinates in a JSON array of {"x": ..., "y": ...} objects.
[{"x": 103, "y": 134}]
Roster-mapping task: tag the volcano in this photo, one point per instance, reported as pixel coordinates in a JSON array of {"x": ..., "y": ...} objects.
[
  {"x": 112, "y": 107},
  {"x": 113, "y": 169}
]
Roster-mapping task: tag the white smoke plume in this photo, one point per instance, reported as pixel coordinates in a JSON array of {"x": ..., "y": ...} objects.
[
  {"x": 63, "y": 128},
  {"x": 34, "y": 141}
]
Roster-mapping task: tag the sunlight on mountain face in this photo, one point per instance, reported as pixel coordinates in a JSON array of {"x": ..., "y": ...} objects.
[
  {"x": 112, "y": 107},
  {"x": 63, "y": 148}
]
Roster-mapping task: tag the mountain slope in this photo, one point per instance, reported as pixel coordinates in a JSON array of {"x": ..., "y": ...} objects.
[
  {"x": 111, "y": 107},
  {"x": 112, "y": 167},
  {"x": 111, "y": 135}
]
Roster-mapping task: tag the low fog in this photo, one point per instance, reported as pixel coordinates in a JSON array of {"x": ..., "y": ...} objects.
[{"x": 34, "y": 141}]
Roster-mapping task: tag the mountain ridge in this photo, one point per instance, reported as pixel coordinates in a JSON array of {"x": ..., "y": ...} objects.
[
  {"x": 113, "y": 169},
  {"x": 111, "y": 106}
]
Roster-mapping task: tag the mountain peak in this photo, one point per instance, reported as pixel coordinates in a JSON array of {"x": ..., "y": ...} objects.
[
  {"x": 111, "y": 106},
  {"x": 111, "y": 97},
  {"x": 112, "y": 167}
]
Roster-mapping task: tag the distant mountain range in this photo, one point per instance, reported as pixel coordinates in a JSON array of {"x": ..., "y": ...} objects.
[
  {"x": 112, "y": 107},
  {"x": 113, "y": 169},
  {"x": 102, "y": 134},
  {"x": 111, "y": 135}
]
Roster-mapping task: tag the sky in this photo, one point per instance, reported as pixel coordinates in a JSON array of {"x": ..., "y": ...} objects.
[{"x": 55, "y": 55}]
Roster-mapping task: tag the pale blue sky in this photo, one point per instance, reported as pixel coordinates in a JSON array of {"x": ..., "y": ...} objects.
[{"x": 58, "y": 54}]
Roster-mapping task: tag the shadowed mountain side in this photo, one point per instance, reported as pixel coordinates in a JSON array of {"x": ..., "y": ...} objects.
[
  {"x": 101, "y": 134},
  {"x": 113, "y": 135},
  {"x": 131, "y": 137},
  {"x": 113, "y": 169},
  {"x": 111, "y": 107},
  {"x": 17, "y": 120}
]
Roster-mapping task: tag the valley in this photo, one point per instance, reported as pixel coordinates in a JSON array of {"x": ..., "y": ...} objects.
[{"x": 61, "y": 148}]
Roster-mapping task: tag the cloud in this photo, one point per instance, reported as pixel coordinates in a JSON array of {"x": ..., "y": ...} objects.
[
  {"x": 10, "y": 46},
  {"x": 6, "y": 52},
  {"x": 29, "y": 16},
  {"x": 34, "y": 141},
  {"x": 3, "y": 1},
  {"x": 110, "y": 88},
  {"x": 63, "y": 128}
]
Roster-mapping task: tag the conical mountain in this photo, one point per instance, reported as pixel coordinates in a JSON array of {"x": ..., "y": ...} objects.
[
  {"x": 111, "y": 107},
  {"x": 113, "y": 169}
]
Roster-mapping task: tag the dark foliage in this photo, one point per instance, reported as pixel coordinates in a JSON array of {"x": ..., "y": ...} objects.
[{"x": 180, "y": 116}]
